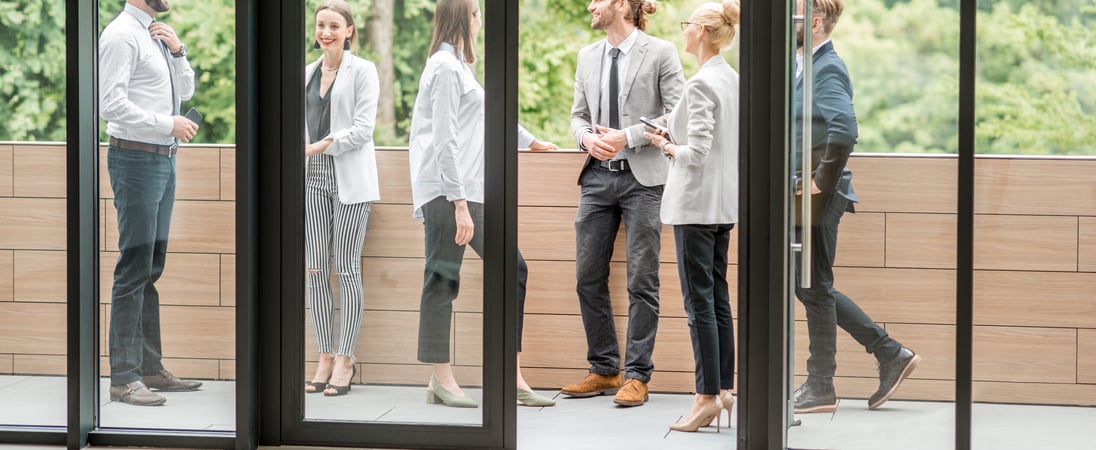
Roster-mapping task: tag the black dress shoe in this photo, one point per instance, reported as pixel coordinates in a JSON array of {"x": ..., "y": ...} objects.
[
  {"x": 891, "y": 374},
  {"x": 814, "y": 399},
  {"x": 168, "y": 382}
]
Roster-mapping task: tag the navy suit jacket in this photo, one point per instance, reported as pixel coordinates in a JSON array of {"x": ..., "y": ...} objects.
[{"x": 833, "y": 125}]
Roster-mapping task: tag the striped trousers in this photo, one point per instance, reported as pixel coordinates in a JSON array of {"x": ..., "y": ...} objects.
[{"x": 334, "y": 235}]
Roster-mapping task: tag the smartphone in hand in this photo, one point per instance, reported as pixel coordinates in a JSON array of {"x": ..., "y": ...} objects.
[
  {"x": 657, "y": 126},
  {"x": 194, "y": 116}
]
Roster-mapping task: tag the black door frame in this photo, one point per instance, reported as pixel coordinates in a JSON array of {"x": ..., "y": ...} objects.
[{"x": 280, "y": 230}]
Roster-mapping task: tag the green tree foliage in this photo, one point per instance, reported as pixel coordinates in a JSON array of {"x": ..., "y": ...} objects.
[
  {"x": 1035, "y": 65},
  {"x": 32, "y": 70}
]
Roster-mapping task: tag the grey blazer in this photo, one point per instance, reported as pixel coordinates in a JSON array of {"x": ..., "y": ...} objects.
[
  {"x": 702, "y": 187},
  {"x": 651, "y": 87}
]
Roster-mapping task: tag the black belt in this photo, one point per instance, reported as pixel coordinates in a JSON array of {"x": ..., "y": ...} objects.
[
  {"x": 166, "y": 150},
  {"x": 616, "y": 165}
]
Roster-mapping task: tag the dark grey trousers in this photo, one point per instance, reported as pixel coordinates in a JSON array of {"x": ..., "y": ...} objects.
[{"x": 607, "y": 198}]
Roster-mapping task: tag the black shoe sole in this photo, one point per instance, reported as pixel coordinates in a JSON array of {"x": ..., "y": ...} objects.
[{"x": 901, "y": 377}]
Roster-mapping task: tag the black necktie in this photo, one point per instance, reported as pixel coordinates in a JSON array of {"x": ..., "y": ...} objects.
[
  {"x": 170, "y": 77},
  {"x": 614, "y": 91}
]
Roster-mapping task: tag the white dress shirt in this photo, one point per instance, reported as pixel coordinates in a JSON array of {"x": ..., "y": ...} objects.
[
  {"x": 799, "y": 58},
  {"x": 625, "y": 48},
  {"x": 135, "y": 83},
  {"x": 447, "y": 132}
]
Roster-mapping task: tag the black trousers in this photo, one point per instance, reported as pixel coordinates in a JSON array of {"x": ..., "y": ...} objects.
[
  {"x": 702, "y": 267},
  {"x": 826, "y": 307},
  {"x": 441, "y": 279}
]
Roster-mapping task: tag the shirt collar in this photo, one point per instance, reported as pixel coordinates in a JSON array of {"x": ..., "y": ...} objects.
[
  {"x": 141, "y": 16},
  {"x": 625, "y": 45},
  {"x": 449, "y": 48}
]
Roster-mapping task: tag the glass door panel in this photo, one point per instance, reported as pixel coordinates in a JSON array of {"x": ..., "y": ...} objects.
[
  {"x": 1034, "y": 231},
  {"x": 393, "y": 308},
  {"x": 874, "y": 322},
  {"x": 167, "y": 196},
  {"x": 33, "y": 288}
]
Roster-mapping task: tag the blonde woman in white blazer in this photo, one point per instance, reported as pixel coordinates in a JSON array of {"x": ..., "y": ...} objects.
[
  {"x": 701, "y": 202},
  {"x": 341, "y": 185}
]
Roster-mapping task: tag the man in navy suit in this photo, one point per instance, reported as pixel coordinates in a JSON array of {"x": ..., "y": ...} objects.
[{"x": 833, "y": 135}]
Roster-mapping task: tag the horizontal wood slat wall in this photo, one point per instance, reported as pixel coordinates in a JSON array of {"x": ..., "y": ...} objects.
[{"x": 1035, "y": 271}]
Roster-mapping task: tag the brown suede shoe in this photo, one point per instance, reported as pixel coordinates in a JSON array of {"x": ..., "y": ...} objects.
[
  {"x": 135, "y": 393},
  {"x": 168, "y": 382},
  {"x": 593, "y": 384},
  {"x": 634, "y": 393}
]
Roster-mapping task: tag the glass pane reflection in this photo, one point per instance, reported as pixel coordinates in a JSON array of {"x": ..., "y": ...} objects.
[
  {"x": 167, "y": 262},
  {"x": 371, "y": 202},
  {"x": 1034, "y": 345},
  {"x": 895, "y": 257},
  {"x": 32, "y": 215}
]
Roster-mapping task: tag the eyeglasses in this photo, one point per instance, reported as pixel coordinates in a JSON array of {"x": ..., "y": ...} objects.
[{"x": 685, "y": 25}]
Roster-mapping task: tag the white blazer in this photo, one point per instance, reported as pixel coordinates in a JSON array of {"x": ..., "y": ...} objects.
[
  {"x": 702, "y": 186},
  {"x": 353, "y": 116}
]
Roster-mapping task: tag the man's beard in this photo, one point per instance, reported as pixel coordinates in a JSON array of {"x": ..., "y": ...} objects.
[{"x": 157, "y": 5}]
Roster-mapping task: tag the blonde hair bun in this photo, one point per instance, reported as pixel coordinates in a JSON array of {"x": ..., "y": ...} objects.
[{"x": 732, "y": 11}]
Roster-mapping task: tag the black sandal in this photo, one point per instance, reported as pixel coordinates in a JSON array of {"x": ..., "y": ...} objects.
[
  {"x": 342, "y": 390},
  {"x": 317, "y": 386}
]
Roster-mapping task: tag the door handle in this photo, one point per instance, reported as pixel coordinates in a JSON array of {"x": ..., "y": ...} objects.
[{"x": 806, "y": 158}]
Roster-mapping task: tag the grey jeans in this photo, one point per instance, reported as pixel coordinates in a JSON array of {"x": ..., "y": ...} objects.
[{"x": 607, "y": 198}]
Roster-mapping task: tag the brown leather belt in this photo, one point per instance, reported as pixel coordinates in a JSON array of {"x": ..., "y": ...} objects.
[{"x": 166, "y": 150}]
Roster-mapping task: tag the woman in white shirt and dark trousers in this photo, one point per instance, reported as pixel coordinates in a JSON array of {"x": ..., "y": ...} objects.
[
  {"x": 447, "y": 159},
  {"x": 701, "y": 202},
  {"x": 340, "y": 187}
]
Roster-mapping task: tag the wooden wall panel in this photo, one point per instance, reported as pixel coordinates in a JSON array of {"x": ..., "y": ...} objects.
[
  {"x": 1086, "y": 356},
  {"x": 7, "y": 171},
  {"x": 922, "y": 184},
  {"x": 862, "y": 240},
  {"x": 1025, "y": 243},
  {"x": 1025, "y": 355},
  {"x": 921, "y": 240},
  {"x": 39, "y": 171},
  {"x": 548, "y": 232},
  {"x": 32, "y": 223},
  {"x": 32, "y": 328},
  {"x": 673, "y": 346},
  {"x": 198, "y": 332},
  {"x": 1023, "y": 185},
  {"x": 393, "y": 232},
  {"x": 1086, "y": 244},
  {"x": 549, "y": 179},
  {"x": 559, "y": 341},
  {"x": 852, "y": 360},
  {"x": 395, "y": 177},
  {"x": 228, "y": 280},
  {"x": 198, "y": 174},
  {"x": 7, "y": 275},
  {"x": 1039, "y": 299},
  {"x": 898, "y": 295},
  {"x": 1035, "y": 393},
  {"x": 552, "y": 289},
  {"x": 854, "y": 391},
  {"x": 38, "y": 364},
  {"x": 196, "y": 227},
  {"x": 395, "y": 284},
  {"x": 189, "y": 279},
  {"x": 40, "y": 276},
  {"x": 7, "y": 363},
  {"x": 388, "y": 337},
  {"x": 228, "y": 174}
]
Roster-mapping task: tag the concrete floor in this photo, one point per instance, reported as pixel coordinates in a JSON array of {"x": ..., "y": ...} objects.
[{"x": 594, "y": 423}]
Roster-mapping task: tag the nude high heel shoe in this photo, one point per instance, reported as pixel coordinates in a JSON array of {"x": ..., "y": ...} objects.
[
  {"x": 727, "y": 399},
  {"x": 711, "y": 409},
  {"x": 435, "y": 393}
]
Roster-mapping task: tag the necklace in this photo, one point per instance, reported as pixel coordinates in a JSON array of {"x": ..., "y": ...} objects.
[{"x": 329, "y": 69}]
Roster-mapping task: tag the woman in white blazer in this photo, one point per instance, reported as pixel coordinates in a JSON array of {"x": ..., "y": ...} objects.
[
  {"x": 447, "y": 157},
  {"x": 341, "y": 93},
  {"x": 700, "y": 200}
]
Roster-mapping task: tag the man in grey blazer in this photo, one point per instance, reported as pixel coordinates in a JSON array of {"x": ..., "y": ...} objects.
[{"x": 619, "y": 79}]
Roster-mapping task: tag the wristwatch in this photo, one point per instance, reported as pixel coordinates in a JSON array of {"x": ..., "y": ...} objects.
[{"x": 181, "y": 53}]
